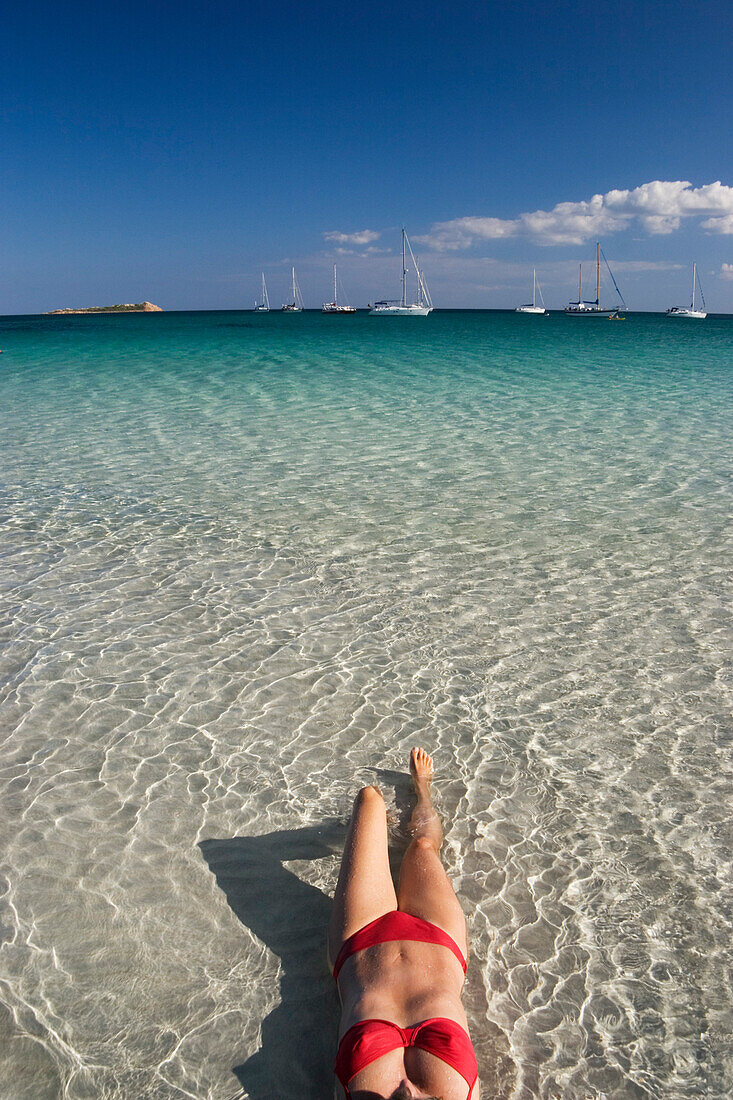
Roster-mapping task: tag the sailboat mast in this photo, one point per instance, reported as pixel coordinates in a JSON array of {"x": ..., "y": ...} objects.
[
  {"x": 598, "y": 273},
  {"x": 694, "y": 276},
  {"x": 580, "y": 283},
  {"x": 534, "y": 285},
  {"x": 334, "y": 284},
  {"x": 404, "y": 270}
]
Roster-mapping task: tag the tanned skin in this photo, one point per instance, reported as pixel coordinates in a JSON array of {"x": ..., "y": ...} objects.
[{"x": 403, "y": 981}]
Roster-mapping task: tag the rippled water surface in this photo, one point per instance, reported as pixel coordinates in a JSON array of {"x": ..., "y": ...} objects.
[{"x": 247, "y": 562}]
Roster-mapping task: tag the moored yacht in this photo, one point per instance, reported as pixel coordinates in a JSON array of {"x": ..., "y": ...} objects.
[
  {"x": 335, "y": 306},
  {"x": 682, "y": 311},
  {"x": 296, "y": 306},
  {"x": 264, "y": 305},
  {"x": 594, "y": 309},
  {"x": 533, "y": 307},
  {"x": 422, "y": 305}
]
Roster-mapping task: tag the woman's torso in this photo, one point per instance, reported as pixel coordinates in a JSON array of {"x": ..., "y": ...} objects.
[{"x": 406, "y": 983}]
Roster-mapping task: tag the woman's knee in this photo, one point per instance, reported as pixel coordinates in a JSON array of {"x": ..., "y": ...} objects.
[
  {"x": 426, "y": 847},
  {"x": 423, "y": 844},
  {"x": 369, "y": 796}
]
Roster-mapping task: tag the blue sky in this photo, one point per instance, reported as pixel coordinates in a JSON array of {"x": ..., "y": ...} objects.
[{"x": 173, "y": 151}]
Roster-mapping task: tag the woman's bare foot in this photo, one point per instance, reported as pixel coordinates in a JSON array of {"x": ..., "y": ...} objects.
[
  {"x": 421, "y": 770},
  {"x": 424, "y": 821}
]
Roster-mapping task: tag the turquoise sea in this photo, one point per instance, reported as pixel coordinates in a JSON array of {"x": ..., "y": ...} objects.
[{"x": 247, "y": 562}]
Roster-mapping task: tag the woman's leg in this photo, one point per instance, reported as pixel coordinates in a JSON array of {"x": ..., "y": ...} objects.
[
  {"x": 424, "y": 889},
  {"x": 365, "y": 889}
]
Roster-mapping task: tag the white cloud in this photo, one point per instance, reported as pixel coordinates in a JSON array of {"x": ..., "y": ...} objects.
[
  {"x": 658, "y": 207},
  {"x": 674, "y": 198},
  {"x": 372, "y": 250},
  {"x": 463, "y": 232},
  {"x": 660, "y": 223},
  {"x": 364, "y": 236},
  {"x": 719, "y": 225},
  {"x": 726, "y": 271},
  {"x": 646, "y": 265}
]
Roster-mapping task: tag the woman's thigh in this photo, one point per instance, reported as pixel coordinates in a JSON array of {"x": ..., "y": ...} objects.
[
  {"x": 425, "y": 891},
  {"x": 365, "y": 889}
]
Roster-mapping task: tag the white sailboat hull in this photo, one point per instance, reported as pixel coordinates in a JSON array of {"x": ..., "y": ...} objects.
[
  {"x": 697, "y": 314},
  {"x": 530, "y": 309},
  {"x": 400, "y": 311}
]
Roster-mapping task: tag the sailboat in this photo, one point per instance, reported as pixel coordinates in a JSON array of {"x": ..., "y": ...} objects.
[
  {"x": 681, "y": 311},
  {"x": 296, "y": 306},
  {"x": 534, "y": 308},
  {"x": 264, "y": 305},
  {"x": 594, "y": 309},
  {"x": 334, "y": 306},
  {"x": 422, "y": 305}
]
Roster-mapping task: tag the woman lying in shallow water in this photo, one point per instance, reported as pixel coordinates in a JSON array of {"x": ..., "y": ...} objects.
[{"x": 400, "y": 960}]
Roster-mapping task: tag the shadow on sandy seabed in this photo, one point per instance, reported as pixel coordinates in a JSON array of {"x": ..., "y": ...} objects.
[{"x": 291, "y": 918}]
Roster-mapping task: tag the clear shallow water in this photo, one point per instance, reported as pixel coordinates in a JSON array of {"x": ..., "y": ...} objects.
[{"x": 247, "y": 563}]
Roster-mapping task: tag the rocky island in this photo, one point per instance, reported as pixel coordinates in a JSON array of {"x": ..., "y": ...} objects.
[{"x": 128, "y": 307}]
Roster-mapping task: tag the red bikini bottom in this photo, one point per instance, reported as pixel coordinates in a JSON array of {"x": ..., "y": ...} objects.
[{"x": 396, "y": 926}]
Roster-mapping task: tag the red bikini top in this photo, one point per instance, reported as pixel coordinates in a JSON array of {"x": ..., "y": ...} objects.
[{"x": 370, "y": 1039}]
